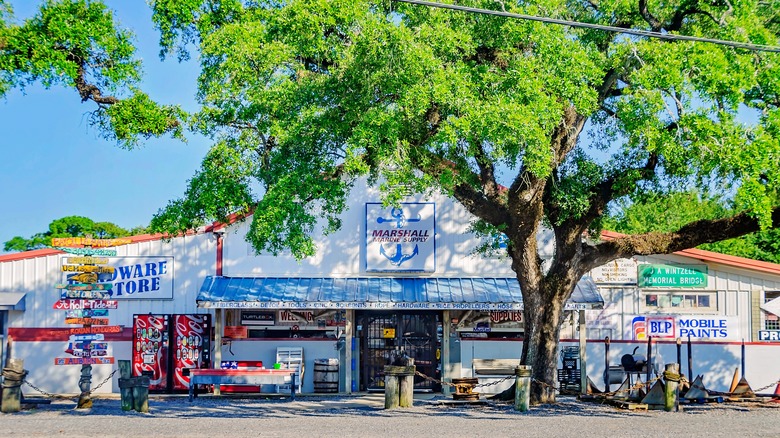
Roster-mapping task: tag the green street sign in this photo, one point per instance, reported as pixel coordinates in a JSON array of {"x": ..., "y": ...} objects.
[{"x": 672, "y": 276}]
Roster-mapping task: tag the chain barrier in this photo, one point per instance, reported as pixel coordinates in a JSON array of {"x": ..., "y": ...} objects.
[
  {"x": 636, "y": 386},
  {"x": 453, "y": 385},
  {"x": 64, "y": 397}
]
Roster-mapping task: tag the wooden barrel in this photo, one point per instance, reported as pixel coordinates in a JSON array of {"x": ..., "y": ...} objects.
[{"x": 326, "y": 375}]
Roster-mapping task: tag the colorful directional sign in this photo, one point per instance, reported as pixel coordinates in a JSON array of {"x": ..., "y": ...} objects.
[
  {"x": 84, "y": 286},
  {"x": 87, "y": 337},
  {"x": 83, "y": 360},
  {"x": 87, "y": 321},
  {"x": 75, "y": 304},
  {"x": 96, "y": 329},
  {"x": 85, "y": 313},
  {"x": 83, "y": 294},
  {"x": 88, "y": 251},
  {"x": 86, "y": 260},
  {"x": 87, "y": 345},
  {"x": 88, "y": 268},
  {"x": 87, "y": 241}
]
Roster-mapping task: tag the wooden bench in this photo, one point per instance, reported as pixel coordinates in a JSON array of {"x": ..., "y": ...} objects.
[
  {"x": 199, "y": 376},
  {"x": 494, "y": 370}
]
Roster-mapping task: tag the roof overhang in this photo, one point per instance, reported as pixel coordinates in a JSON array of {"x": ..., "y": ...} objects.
[
  {"x": 378, "y": 293},
  {"x": 12, "y": 300}
]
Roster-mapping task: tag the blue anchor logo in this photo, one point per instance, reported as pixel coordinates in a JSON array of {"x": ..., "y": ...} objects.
[
  {"x": 399, "y": 257},
  {"x": 398, "y": 217}
]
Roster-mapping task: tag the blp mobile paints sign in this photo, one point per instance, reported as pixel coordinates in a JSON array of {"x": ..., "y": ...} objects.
[
  {"x": 696, "y": 326},
  {"x": 139, "y": 277},
  {"x": 401, "y": 239}
]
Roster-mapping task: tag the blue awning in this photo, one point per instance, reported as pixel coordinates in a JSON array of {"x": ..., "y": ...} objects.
[
  {"x": 12, "y": 300},
  {"x": 377, "y": 293}
]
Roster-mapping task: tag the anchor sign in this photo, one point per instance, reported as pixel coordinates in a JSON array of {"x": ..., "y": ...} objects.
[
  {"x": 399, "y": 257},
  {"x": 399, "y": 218}
]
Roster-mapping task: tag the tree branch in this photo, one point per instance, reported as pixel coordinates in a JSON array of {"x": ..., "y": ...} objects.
[{"x": 689, "y": 236}]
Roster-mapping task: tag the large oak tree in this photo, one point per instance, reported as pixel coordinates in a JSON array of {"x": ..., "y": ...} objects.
[{"x": 527, "y": 125}]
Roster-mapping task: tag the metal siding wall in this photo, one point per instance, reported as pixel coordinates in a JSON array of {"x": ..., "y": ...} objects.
[{"x": 194, "y": 259}]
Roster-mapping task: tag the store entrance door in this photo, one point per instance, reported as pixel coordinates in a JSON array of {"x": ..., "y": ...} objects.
[{"x": 385, "y": 336}]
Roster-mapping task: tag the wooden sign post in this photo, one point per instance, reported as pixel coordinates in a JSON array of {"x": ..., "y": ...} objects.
[{"x": 84, "y": 287}]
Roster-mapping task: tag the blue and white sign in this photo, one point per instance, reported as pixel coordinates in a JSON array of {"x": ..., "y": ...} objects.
[
  {"x": 401, "y": 239},
  {"x": 682, "y": 326},
  {"x": 138, "y": 277}
]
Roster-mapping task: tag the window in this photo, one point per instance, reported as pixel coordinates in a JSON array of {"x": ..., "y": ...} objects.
[
  {"x": 679, "y": 301},
  {"x": 771, "y": 321}
]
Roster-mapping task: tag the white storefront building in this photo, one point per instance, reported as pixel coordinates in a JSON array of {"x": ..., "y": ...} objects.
[{"x": 391, "y": 281}]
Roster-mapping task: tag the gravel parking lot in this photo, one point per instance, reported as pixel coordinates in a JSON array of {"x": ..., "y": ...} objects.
[{"x": 365, "y": 416}]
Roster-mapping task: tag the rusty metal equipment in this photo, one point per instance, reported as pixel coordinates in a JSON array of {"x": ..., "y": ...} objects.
[{"x": 464, "y": 388}]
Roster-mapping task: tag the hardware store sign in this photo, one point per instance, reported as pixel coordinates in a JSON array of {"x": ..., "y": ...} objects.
[
  {"x": 652, "y": 275},
  {"x": 134, "y": 277}
]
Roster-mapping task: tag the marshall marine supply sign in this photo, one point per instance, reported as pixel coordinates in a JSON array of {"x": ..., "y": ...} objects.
[{"x": 401, "y": 239}]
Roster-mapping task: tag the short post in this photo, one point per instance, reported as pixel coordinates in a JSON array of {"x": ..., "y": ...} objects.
[
  {"x": 141, "y": 394},
  {"x": 671, "y": 387},
  {"x": 522, "y": 387},
  {"x": 134, "y": 391},
  {"x": 392, "y": 391},
  {"x": 13, "y": 376},
  {"x": 125, "y": 387},
  {"x": 406, "y": 389},
  {"x": 399, "y": 386}
]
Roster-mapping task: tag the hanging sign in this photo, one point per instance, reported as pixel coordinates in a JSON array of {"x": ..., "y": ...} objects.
[
  {"x": 83, "y": 360},
  {"x": 654, "y": 275},
  {"x": 73, "y": 304}
]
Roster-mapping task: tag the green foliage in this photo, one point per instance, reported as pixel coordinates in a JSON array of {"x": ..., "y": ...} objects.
[
  {"x": 315, "y": 93},
  {"x": 68, "y": 226},
  {"x": 78, "y": 44}
]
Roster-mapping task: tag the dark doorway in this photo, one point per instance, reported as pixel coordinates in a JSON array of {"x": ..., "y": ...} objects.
[{"x": 387, "y": 335}]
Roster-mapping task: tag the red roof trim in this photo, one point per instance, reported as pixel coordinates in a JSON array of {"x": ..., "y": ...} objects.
[
  {"x": 233, "y": 218},
  {"x": 714, "y": 257}
]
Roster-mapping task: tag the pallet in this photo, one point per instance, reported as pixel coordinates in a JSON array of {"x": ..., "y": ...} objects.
[{"x": 631, "y": 406}]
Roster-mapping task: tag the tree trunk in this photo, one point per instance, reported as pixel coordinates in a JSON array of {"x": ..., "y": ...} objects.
[{"x": 543, "y": 315}]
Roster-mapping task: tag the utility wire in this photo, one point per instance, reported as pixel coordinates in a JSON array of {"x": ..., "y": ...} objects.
[{"x": 645, "y": 33}]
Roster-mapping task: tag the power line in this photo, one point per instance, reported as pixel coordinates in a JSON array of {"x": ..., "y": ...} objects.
[{"x": 645, "y": 33}]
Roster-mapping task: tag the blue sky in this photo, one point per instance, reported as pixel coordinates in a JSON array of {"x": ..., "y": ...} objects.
[{"x": 54, "y": 164}]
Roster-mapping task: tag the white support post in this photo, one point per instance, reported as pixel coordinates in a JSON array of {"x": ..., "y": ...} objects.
[{"x": 583, "y": 354}]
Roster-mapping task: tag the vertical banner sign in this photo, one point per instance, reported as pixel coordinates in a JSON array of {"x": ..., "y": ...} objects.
[{"x": 401, "y": 239}]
